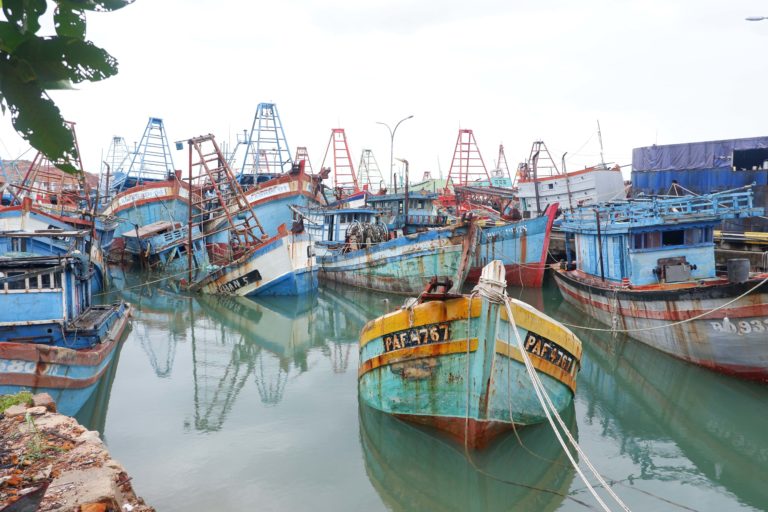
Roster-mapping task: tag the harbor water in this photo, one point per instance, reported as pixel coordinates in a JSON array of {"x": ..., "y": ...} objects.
[{"x": 224, "y": 403}]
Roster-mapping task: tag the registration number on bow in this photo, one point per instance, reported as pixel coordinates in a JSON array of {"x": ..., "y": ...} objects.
[{"x": 422, "y": 335}]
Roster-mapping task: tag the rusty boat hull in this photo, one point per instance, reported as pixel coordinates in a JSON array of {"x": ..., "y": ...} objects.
[
  {"x": 406, "y": 264},
  {"x": 714, "y": 323},
  {"x": 69, "y": 375},
  {"x": 452, "y": 363}
]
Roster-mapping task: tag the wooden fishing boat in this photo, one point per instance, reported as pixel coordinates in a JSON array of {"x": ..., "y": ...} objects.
[
  {"x": 522, "y": 246},
  {"x": 283, "y": 264},
  {"x": 150, "y": 189},
  {"x": 162, "y": 246},
  {"x": 647, "y": 267},
  {"x": 454, "y": 362},
  {"x": 354, "y": 248},
  {"x": 54, "y": 338},
  {"x": 35, "y": 231}
]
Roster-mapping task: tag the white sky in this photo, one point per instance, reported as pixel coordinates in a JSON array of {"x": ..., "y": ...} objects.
[{"x": 650, "y": 71}]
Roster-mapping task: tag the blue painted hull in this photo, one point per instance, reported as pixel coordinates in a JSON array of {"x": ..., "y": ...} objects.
[
  {"x": 68, "y": 373},
  {"x": 281, "y": 266},
  {"x": 406, "y": 264},
  {"x": 521, "y": 246}
]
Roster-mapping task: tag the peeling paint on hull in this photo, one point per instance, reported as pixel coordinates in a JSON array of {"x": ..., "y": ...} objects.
[
  {"x": 522, "y": 247},
  {"x": 732, "y": 340},
  {"x": 405, "y": 265}
]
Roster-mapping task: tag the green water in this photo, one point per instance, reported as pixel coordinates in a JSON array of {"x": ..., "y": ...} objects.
[{"x": 237, "y": 404}]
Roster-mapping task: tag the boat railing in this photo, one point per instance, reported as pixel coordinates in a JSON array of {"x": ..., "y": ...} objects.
[{"x": 658, "y": 210}]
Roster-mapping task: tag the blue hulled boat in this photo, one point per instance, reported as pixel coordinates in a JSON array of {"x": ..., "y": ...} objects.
[
  {"x": 647, "y": 267},
  {"x": 53, "y": 338},
  {"x": 246, "y": 264},
  {"x": 355, "y": 247}
]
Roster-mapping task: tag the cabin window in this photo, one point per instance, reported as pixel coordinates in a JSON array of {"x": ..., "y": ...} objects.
[
  {"x": 669, "y": 238},
  {"x": 647, "y": 240},
  {"x": 45, "y": 280},
  {"x": 550, "y": 186},
  {"x": 17, "y": 284},
  {"x": 18, "y": 244},
  {"x": 694, "y": 236}
]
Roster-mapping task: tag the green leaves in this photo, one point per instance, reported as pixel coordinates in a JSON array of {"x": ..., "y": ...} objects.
[
  {"x": 30, "y": 65},
  {"x": 69, "y": 22}
]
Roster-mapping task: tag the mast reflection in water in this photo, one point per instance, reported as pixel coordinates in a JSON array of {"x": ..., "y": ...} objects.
[{"x": 236, "y": 404}]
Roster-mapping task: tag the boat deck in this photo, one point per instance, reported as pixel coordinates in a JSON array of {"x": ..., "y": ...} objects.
[{"x": 92, "y": 317}]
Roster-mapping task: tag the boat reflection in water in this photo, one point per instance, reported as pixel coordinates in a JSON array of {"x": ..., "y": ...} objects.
[
  {"x": 268, "y": 339},
  {"x": 161, "y": 316},
  {"x": 646, "y": 399},
  {"x": 415, "y": 468}
]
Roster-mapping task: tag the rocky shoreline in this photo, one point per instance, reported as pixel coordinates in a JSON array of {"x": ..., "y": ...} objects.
[{"x": 51, "y": 460}]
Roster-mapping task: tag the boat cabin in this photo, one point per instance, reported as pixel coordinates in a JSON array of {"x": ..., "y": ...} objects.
[
  {"x": 410, "y": 213},
  {"x": 651, "y": 241},
  {"x": 42, "y": 289}
]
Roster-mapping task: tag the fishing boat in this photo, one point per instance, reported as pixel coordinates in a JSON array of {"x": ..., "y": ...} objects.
[
  {"x": 54, "y": 338},
  {"x": 354, "y": 247},
  {"x": 271, "y": 179},
  {"x": 150, "y": 189},
  {"x": 282, "y": 264},
  {"x": 42, "y": 228},
  {"x": 162, "y": 246},
  {"x": 471, "y": 366},
  {"x": 541, "y": 183},
  {"x": 522, "y": 246},
  {"x": 647, "y": 268}
]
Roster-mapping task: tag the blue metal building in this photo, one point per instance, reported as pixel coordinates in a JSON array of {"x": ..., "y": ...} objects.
[{"x": 703, "y": 168}]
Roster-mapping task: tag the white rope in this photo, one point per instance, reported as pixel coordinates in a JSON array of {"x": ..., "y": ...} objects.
[
  {"x": 672, "y": 324},
  {"x": 547, "y": 405}
]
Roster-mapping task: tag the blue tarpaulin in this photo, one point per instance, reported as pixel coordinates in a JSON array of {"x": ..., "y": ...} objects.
[{"x": 714, "y": 154}]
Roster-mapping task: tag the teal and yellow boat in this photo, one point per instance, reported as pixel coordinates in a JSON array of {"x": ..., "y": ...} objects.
[{"x": 454, "y": 362}]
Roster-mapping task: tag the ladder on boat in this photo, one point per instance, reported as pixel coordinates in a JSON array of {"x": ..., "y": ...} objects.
[{"x": 217, "y": 202}]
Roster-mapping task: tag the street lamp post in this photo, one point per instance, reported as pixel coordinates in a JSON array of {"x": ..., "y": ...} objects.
[{"x": 392, "y": 144}]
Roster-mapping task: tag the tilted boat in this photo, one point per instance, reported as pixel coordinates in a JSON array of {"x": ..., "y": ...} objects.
[
  {"x": 150, "y": 189},
  {"x": 454, "y": 362},
  {"x": 162, "y": 246},
  {"x": 54, "y": 338},
  {"x": 283, "y": 264},
  {"x": 647, "y": 267}
]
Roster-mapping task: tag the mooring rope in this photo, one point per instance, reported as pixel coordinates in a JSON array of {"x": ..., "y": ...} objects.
[
  {"x": 484, "y": 289},
  {"x": 467, "y": 455}
]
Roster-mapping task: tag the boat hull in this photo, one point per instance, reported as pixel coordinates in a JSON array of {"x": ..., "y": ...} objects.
[
  {"x": 149, "y": 203},
  {"x": 406, "y": 264},
  {"x": 284, "y": 265},
  {"x": 730, "y": 340},
  {"x": 522, "y": 247},
  {"x": 454, "y": 365},
  {"x": 271, "y": 201},
  {"x": 69, "y": 376}
]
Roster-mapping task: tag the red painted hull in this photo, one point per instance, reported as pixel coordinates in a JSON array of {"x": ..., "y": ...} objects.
[{"x": 477, "y": 434}]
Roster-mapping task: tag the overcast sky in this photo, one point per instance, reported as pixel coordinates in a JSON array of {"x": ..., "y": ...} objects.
[{"x": 650, "y": 71}]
